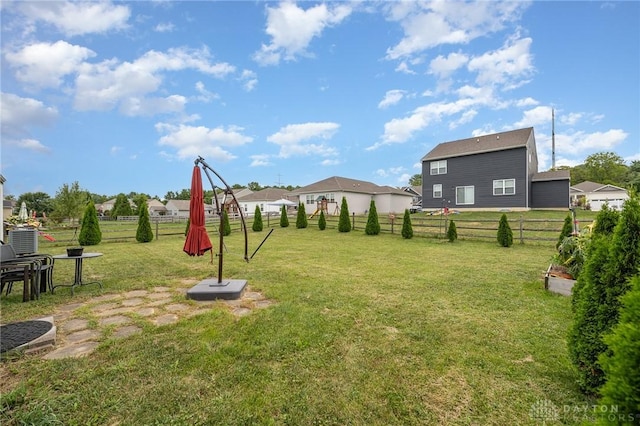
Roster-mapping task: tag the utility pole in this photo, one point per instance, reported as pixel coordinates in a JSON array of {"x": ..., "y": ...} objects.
[{"x": 553, "y": 139}]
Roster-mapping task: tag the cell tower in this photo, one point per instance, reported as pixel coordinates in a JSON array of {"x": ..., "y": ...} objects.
[{"x": 553, "y": 139}]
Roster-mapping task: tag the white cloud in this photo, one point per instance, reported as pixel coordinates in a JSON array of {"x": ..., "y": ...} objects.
[
  {"x": 105, "y": 85},
  {"x": 290, "y": 139},
  {"x": 19, "y": 115},
  {"x": 77, "y": 18},
  {"x": 330, "y": 162},
  {"x": 205, "y": 95},
  {"x": 191, "y": 141},
  {"x": 45, "y": 64},
  {"x": 508, "y": 66},
  {"x": 392, "y": 97},
  {"x": 431, "y": 24},
  {"x": 115, "y": 150},
  {"x": 249, "y": 80},
  {"x": 570, "y": 119},
  {"x": 164, "y": 27},
  {"x": 404, "y": 68},
  {"x": 443, "y": 67},
  {"x": 292, "y": 29},
  {"x": 260, "y": 160},
  {"x": 534, "y": 117},
  {"x": 151, "y": 106},
  {"x": 526, "y": 102}
]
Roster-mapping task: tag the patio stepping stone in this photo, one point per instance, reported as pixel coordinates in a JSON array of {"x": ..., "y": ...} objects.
[
  {"x": 114, "y": 320},
  {"x": 72, "y": 351},
  {"x": 127, "y": 331},
  {"x": 82, "y": 335},
  {"x": 104, "y": 307},
  {"x": 145, "y": 312},
  {"x": 133, "y": 302},
  {"x": 165, "y": 319},
  {"x": 136, "y": 293},
  {"x": 176, "y": 307},
  {"x": 74, "y": 325}
]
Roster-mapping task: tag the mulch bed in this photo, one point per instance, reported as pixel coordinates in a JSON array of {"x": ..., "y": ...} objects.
[{"x": 18, "y": 333}]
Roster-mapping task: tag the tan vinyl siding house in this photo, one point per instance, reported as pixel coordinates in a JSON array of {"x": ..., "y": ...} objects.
[
  {"x": 263, "y": 199},
  {"x": 594, "y": 195}
]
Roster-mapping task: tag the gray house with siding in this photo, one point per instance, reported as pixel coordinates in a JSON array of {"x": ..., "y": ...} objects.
[{"x": 491, "y": 172}]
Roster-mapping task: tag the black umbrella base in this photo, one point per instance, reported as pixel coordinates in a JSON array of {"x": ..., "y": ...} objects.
[
  {"x": 210, "y": 289},
  {"x": 27, "y": 336}
]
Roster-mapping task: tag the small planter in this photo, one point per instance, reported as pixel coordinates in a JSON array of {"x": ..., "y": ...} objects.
[{"x": 557, "y": 280}]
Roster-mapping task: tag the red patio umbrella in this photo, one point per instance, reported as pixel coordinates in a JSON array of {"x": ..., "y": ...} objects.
[{"x": 197, "y": 242}]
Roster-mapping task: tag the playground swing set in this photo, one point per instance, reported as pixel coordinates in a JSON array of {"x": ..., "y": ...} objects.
[{"x": 323, "y": 206}]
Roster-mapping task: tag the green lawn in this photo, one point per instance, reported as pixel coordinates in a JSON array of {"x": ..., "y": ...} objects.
[{"x": 364, "y": 330}]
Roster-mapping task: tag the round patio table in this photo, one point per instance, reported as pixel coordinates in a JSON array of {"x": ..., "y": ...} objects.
[{"x": 77, "y": 280}]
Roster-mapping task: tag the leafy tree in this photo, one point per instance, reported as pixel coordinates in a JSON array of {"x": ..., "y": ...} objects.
[
  {"x": 254, "y": 186},
  {"x": 633, "y": 178},
  {"x": 139, "y": 200},
  {"x": 322, "y": 221},
  {"x": 606, "y": 167},
  {"x": 621, "y": 364},
  {"x": 407, "y": 229},
  {"x": 40, "y": 202},
  {"x": 301, "y": 219},
  {"x": 452, "y": 232},
  {"x": 257, "y": 220},
  {"x": 505, "y": 235},
  {"x": 226, "y": 225},
  {"x": 416, "y": 180},
  {"x": 373, "y": 225},
  {"x": 610, "y": 264},
  {"x": 184, "y": 194},
  {"x": 121, "y": 207},
  {"x": 344, "y": 223},
  {"x": 69, "y": 202},
  {"x": 284, "y": 220},
  {"x": 567, "y": 230},
  {"x": 90, "y": 233},
  {"x": 144, "y": 233}
]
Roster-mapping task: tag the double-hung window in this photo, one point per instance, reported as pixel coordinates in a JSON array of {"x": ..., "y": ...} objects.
[
  {"x": 504, "y": 187},
  {"x": 437, "y": 190},
  {"x": 438, "y": 167},
  {"x": 465, "y": 194}
]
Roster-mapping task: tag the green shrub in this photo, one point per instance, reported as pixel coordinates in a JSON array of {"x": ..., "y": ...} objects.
[
  {"x": 606, "y": 220},
  {"x": 572, "y": 252},
  {"x": 121, "y": 207},
  {"x": 301, "y": 219},
  {"x": 344, "y": 223},
  {"x": 322, "y": 221},
  {"x": 567, "y": 230},
  {"x": 407, "y": 229},
  {"x": 186, "y": 230},
  {"x": 257, "y": 220},
  {"x": 610, "y": 264},
  {"x": 144, "y": 233},
  {"x": 284, "y": 220},
  {"x": 452, "y": 232},
  {"x": 90, "y": 233},
  {"x": 373, "y": 225},
  {"x": 505, "y": 235},
  {"x": 622, "y": 364},
  {"x": 226, "y": 225}
]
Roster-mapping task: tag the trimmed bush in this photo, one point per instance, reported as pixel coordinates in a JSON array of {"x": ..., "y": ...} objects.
[
  {"x": 373, "y": 225},
  {"x": 452, "y": 232},
  {"x": 226, "y": 225},
  {"x": 505, "y": 235},
  {"x": 121, "y": 207},
  {"x": 284, "y": 220},
  {"x": 606, "y": 220},
  {"x": 567, "y": 230},
  {"x": 186, "y": 230},
  {"x": 144, "y": 234},
  {"x": 257, "y": 220},
  {"x": 344, "y": 224},
  {"x": 622, "y": 365},
  {"x": 407, "y": 229},
  {"x": 90, "y": 233},
  {"x": 301, "y": 219},
  {"x": 322, "y": 221}
]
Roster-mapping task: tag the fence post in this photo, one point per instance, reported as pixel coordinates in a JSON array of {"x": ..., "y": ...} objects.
[
  {"x": 157, "y": 226},
  {"x": 521, "y": 230},
  {"x": 353, "y": 220}
]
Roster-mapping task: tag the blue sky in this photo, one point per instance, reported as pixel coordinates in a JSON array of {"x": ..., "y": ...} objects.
[{"x": 123, "y": 96}]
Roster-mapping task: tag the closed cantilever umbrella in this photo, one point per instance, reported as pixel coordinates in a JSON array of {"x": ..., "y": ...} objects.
[{"x": 197, "y": 242}]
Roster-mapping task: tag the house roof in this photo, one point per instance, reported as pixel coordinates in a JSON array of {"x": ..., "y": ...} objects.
[
  {"x": 180, "y": 204},
  {"x": 480, "y": 144},
  {"x": 588, "y": 186},
  {"x": 342, "y": 184},
  {"x": 551, "y": 175},
  {"x": 267, "y": 194}
]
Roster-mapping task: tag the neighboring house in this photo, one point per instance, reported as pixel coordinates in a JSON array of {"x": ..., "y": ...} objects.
[
  {"x": 180, "y": 208},
  {"x": 264, "y": 199},
  {"x": 491, "y": 172},
  {"x": 416, "y": 192},
  {"x": 3, "y": 213},
  {"x": 358, "y": 194},
  {"x": 156, "y": 208},
  {"x": 593, "y": 195}
]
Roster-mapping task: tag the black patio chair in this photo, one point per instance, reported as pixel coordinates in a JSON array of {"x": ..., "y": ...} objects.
[{"x": 34, "y": 270}]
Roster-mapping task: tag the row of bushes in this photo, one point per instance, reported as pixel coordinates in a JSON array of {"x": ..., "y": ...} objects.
[{"x": 90, "y": 233}]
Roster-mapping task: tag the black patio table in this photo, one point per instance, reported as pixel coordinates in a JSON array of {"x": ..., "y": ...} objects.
[{"x": 77, "y": 281}]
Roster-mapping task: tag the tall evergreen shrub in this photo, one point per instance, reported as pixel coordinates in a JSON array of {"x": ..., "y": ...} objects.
[
  {"x": 622, "y": 364},
  {"x": 344, "y": 223},
  {"x": 567, "y": 230},
  {"x": 301, "y": 218},
  {"x": 505, "y": 235},
  {"x": 610, "y": 264},
  {"x": 144, "y": 233},
  {"x": 452, "y": 232},
  {"x": 284, "y": 220},
  {"x": 257, "y": 220},
  {"x": 606, "y": 220},
  {"x": 90, "y": 233},
  {"x": 373, "y": 225},
  {"x": 226, "y": 225},
  {"x": 407, "y": 229},
  {"x": 322, "y": 221},
  {"x": 121, "y": 207}
]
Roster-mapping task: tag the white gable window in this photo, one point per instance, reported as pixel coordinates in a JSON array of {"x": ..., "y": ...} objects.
[
  {"x": 465, "y": 194},
  {"x": 439, "y": 167},
  {"x": 437, "y": 190},
  {"x": 504, "y": 187}
]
